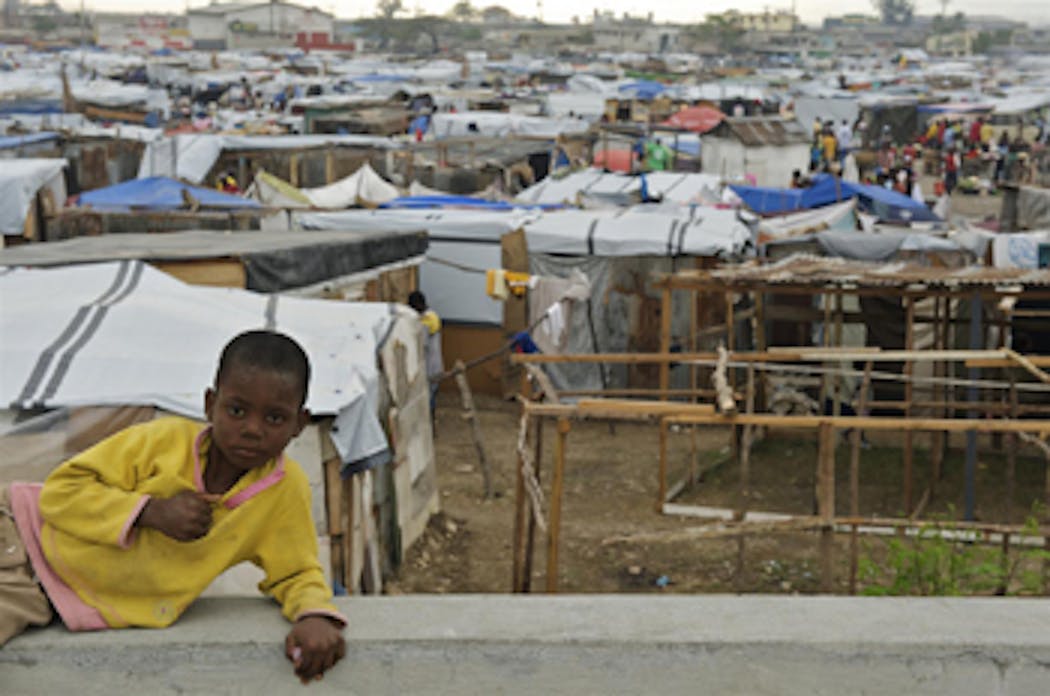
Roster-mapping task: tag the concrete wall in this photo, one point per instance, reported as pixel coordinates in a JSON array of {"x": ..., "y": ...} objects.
[{"x": 568, "y": 645}]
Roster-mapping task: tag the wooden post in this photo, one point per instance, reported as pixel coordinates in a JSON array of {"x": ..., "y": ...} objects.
[
  {"x": 661, "y": 485},
  {"x": 826, "y": 503},
  {"x": 329, "y": 165},
  {"x": 557, "y": 486},
  {"x": 760, "y": 345},
  {"x": 530, "y": 535},
  {"x": 937, "y": 437},
  {"x": 743, "y": 500},
  {"x": 475, "y": 427},
  {"x": 293, "y": 170},
  {"x": 351, "y": 579},
  {"x": 1013, "y": 442},
  {"x": 909, "y": 436},
  {"x": 518, "y": 533},
  {"x": 694, "y": 463},
  {"x": 665, "y": 340},
  {"x": 854, "y": 476}
]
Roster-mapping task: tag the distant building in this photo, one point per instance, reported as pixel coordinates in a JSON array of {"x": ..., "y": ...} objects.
[
  {"x": 954, "y": 44},
  {"x": 9, "y": 17},
  {"x": 779, "y": 21},
  {"x": 142, "y": 32},
  {"x": 261, "y": 25},
  {"x": 633, "y": 34}
]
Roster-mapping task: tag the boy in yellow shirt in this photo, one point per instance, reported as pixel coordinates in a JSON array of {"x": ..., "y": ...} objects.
[{"x": 132, "y": 530}]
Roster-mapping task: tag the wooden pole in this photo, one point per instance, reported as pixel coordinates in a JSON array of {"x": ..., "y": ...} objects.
[
  {"x": 743, "y": 501},
  {"x": 1013, "y": 442},
  {"x": 854, "y": 477},
  {"x": 908, "y": 451},
  {"x": 531, "y": 532},
  {"x": 661, "y": 484},
  {"x": 518, "y": 534},
  {"x": 557, "y": 486},
  {"x": 826, "y": 504},
  {"x": 665, "y": 338}
]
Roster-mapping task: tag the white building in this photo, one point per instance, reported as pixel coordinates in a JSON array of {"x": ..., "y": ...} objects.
[
  {"x": 633, "y": 34},
  {"x": 260, "y": 25}
]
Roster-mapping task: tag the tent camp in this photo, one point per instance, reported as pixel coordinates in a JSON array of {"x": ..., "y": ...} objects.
[
  {"x": 22, "y": 182},
  {"x": 161, "y": 193},
  {"x": 886, "y": 205}
]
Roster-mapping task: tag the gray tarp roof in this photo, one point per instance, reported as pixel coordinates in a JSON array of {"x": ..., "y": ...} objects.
[{"x": 273, "y": 261}]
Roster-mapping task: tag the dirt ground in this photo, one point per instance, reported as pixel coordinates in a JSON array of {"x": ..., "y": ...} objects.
[{"x": 611, "y": 490}]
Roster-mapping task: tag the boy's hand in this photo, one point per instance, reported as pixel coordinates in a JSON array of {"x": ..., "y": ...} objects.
[
  {"x": 314, "y": 645},
  {"x": 185, "y": 516}
]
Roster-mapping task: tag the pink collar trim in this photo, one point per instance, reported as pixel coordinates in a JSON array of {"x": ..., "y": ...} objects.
[{"x": 245, "y": 494}]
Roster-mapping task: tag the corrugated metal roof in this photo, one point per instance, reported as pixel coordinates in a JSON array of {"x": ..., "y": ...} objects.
[
  {"x": 807, "y": 270},
  {"x": 756, "y": 131}
]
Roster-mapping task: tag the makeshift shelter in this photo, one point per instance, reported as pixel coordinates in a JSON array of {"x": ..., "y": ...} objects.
[
  {"x": 29, "y": 187},
  {"x": 161, "y": 193},
  {"x": 351, "y": 265},
  {"x": 363, "y": 187},
  {"x": 616, "y": 249},
  {"x": 676, "y": 187},
  {"x": 496, "y": 124},
  {"x": 886, "y": 205},
  {"x": 763, "y": 149},
  {"x": 100, "y": 345}
]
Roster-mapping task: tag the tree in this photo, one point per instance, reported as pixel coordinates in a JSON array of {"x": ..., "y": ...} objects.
[
  {"x": 720, "y": 30},
  {"x": 497, "y": 14},
  {"x": 388, "y": 8},
  {"x": 895, "y": 12},
  {"x": 463, "y": 11}
]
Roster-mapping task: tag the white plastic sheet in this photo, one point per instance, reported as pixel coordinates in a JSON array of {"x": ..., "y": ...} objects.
[
  {"x": 20, "y": 180},
  {"x": 126, "y": 333}
]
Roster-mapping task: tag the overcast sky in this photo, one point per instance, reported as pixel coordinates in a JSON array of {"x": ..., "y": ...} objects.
[{"x": 810, "y": 11}]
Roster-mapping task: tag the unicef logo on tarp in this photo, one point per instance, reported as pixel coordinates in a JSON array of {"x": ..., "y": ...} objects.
[{"x": 1022, "y": 252}]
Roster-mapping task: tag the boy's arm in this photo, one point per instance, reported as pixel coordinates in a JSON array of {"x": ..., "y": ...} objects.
[
  {"x": 92, "y": 496},
  {"x": 288, "y": 556}
]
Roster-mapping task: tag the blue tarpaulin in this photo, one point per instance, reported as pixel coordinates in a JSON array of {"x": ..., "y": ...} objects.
[
  {"x": 160, "y": 193},
  {"x": 887, "y": 205},
  {"x": 642, "y": 89},
  {"x": 8, "y": 142}
]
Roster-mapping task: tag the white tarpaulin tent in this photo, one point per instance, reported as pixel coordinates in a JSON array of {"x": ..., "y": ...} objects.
[
  {"x": 678, "y": 187},
  {"x": 643, "y": 230},
  {"x": 496, "y": 124},
  {"x": 363, "y": 186},
  {"x": 125, "y": 333},
  {"x": 190, "y": 157},
  {"x": 20, "y": 180}
]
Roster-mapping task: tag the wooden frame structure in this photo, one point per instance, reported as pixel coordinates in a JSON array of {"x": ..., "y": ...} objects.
[{"x": 833, "y": 278}]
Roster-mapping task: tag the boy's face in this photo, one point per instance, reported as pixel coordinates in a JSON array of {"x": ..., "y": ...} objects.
[{"x": 254, "y": 413}]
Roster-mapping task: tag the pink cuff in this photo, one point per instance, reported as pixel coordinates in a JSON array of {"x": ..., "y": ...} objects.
[
  {"x": 127, "y": 534},
  {"x": 322, "y": 612}
]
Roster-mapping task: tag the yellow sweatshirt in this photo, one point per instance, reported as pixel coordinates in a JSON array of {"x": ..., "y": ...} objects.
[{"x": 141, "y": 577}]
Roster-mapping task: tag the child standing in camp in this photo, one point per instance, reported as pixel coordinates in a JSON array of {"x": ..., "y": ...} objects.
[
  {"x": 132, "y": 530},
  {"x": 432, "y": 344}
]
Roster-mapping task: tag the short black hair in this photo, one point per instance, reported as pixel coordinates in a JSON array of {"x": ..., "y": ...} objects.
[
  {"x": 267, "y": 350},
  {"x": 417, "y": 300}
]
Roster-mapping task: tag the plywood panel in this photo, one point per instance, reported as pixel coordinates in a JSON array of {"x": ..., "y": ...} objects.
[
  {"x": 226, "y": 273},
  {"x": 465, "y": 342}
]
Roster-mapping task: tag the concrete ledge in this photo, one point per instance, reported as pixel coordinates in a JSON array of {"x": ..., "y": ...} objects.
[{"x": 579, "y": 644}]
